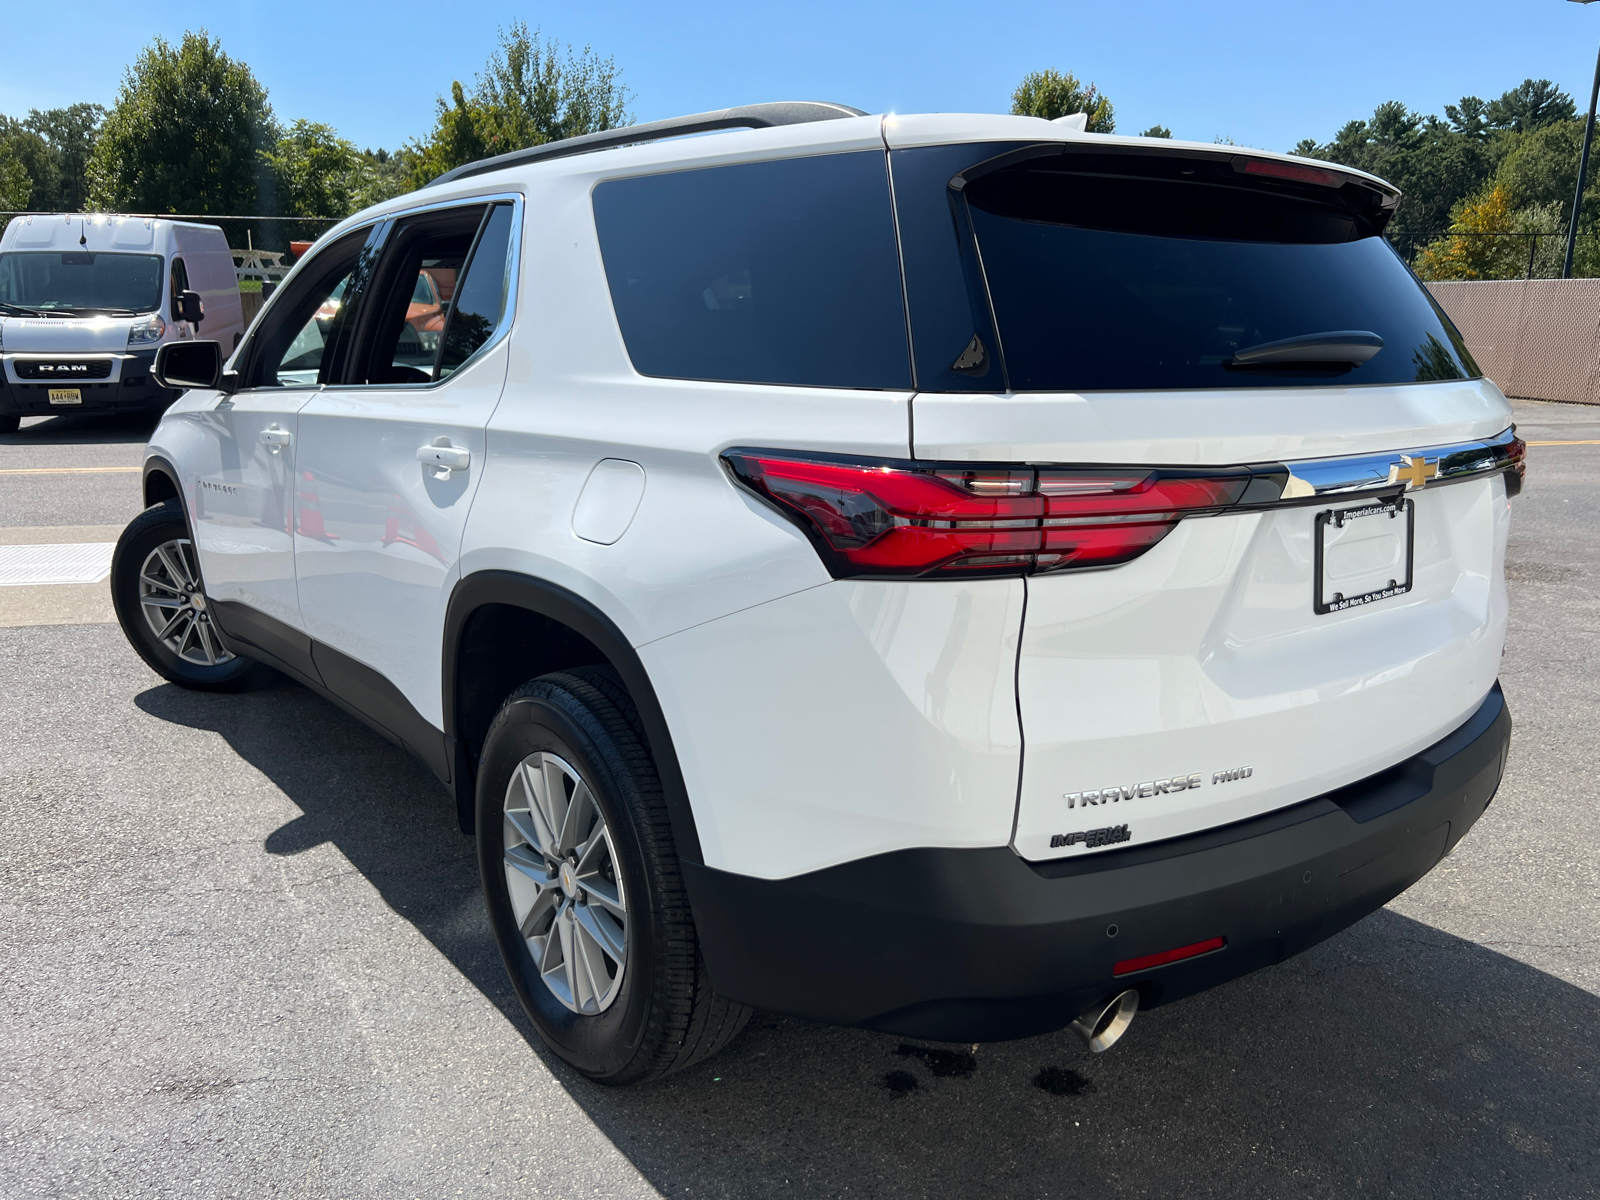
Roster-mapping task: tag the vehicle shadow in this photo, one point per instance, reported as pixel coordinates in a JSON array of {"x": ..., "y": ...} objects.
[
  {"x": 1393, "y": 1059},
  {"x": 88, "y": 428}
]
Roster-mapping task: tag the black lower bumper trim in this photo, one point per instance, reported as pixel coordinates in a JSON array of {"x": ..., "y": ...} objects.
[{"x": 979, "y": 945}]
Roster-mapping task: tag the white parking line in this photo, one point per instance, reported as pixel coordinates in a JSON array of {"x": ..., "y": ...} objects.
[
  {"x": 84, "y": 562},
  {"x": 68, "y": 470}
]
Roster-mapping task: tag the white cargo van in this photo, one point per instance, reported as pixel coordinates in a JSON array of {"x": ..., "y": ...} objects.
[{"x": 86, "y": 299}]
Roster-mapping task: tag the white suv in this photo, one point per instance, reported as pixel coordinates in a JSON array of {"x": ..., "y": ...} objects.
[{"x": 950, "y": 575}]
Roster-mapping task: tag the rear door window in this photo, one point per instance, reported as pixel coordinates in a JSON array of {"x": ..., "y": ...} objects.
[
  {"x": 1144, "y": 272},
  {"x": 480, "y": 303},
  {"x": 439, "y": 296},
  {"x": 775, "y": 272}
]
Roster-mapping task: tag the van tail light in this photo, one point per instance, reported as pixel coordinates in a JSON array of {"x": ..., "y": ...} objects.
[{"x": 890, "y": 518}]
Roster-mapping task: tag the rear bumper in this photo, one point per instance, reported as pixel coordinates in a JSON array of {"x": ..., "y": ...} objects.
[
  {"x": 979, "y": 945},
  {"x": 134, "y": 389}
]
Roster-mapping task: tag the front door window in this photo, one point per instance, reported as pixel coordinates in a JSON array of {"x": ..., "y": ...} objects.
[{"x": 296, "y": 347}]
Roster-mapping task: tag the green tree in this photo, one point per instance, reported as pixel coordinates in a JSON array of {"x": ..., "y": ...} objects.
[
  {"x": 185, "y": 134},
  {"x": 530, "y": 92},
  {"x": 1157, "y": 131},
  {"x": 315, "y": 172},
  {"x": 1468, "y": 117},
  {"x": 1542, "y": 168},
  {"x": 1434, "y": 164},
  {"x": 14, "y": 182},
  {"x": 1531, "y": 105},
  {"x": 1491, "y": 238},
  {"x": 382, "y": 176},
  {"x": 1439, "y": 165},
  {"x": 1477, "y": 248},
  {"x": 70, "y": 134},
  {"x": 1051, "y": 94},
  {"x": 33, "y": 153}
]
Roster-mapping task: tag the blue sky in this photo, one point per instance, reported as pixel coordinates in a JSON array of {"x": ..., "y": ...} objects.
[{"x": 1263, "y": 74}]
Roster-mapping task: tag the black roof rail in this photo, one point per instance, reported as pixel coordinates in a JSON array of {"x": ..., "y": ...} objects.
[{"x": 748, "y": 116}]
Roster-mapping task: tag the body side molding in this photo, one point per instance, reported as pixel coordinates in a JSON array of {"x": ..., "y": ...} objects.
[{"x": 336, "y": 677}]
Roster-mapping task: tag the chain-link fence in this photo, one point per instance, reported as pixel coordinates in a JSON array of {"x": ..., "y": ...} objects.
[{"x": 1536, "y": 338}]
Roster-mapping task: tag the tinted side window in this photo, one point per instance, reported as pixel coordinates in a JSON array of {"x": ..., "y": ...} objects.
[
  {"x": 949, "y": 308},
  {"x": 294, "y": 345},
  {"x": 410, "y": 298},
  {"x": 480, "y": 302},
  {"x": 438, "y": 296},
  {"x": 776, "y": 272}
]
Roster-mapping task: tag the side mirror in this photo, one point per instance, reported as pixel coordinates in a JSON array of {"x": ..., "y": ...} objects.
[
  {"x": 191, "y": 308},
  {"x": 190, "y": 365}
]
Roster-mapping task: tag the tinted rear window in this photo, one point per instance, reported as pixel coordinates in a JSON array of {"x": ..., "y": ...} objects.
[
  {"x": 776, "y": 272},
  {"x": 1103, "y": 278}
]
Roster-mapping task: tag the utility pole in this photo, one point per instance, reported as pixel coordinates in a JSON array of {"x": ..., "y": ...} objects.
[{"x": 1583, "y": 168}]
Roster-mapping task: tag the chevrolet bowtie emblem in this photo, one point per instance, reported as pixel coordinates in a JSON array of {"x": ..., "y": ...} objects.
[{"x": 1413, "y": 472}]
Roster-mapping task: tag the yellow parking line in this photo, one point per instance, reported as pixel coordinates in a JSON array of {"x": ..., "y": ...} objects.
[
  {"x": 66, "y": 470},
  {"x": 1592, "y": 442}
]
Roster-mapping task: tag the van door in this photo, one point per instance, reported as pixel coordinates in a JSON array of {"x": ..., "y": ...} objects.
[
  {"x": 1163, "y": 342},
  {"x": 247, "y": 503},
  {"x": 390, "y": 459}
]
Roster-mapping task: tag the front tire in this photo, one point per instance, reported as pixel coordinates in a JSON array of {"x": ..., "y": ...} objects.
[
  {"x": 161, "y": 605},
  {"x": 581, "y": 879}
]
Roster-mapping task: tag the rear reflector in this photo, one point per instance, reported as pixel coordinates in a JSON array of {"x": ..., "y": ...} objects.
[
  {"x": 1129, "y": 965},
  {"x": 897, "y": 519}
]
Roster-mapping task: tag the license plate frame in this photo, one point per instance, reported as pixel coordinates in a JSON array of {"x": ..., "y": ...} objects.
[
  {"x": 1335, "y": 521},
  {"x": 66, "y": 396}
]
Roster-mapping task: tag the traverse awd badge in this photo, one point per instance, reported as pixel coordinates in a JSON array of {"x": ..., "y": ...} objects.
[{"x": 1130, "y": 791}]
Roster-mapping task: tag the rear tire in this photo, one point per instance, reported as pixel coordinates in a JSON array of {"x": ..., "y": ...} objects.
[
  {"x": 10, "y": 423},
  {"x": 155, "y": 579},
  {"x": 592, "y": 921}
]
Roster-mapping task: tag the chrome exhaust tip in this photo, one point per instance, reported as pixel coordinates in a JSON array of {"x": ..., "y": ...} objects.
[{"x": 1102, "y": 1026}]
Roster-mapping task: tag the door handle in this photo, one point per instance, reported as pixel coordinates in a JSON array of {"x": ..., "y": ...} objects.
[
  {"x": 444, "y": 457},
  {"x": 275, "y": 437}
]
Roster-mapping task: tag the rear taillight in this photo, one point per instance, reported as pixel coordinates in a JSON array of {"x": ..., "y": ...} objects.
[
  {"x": 1517, "y": 473},
  {"x": 889, "y": 518}
]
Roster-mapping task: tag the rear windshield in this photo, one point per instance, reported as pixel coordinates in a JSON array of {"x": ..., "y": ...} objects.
[
  {"x": 57, "y": 281},
  {"x": 774, "y": 272},
  {"x": 1109, "y": 275}
]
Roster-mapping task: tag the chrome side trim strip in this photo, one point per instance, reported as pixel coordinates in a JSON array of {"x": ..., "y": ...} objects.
[{"x": 1410, "y": 470}]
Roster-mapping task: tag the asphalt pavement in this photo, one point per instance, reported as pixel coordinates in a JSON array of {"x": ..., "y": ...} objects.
[{"x": 244, "y": 955}]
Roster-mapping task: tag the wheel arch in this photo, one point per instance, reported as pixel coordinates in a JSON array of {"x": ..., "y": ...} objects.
[
  {"x": 161, "y": 483},
  {"x": 558, "y": 629}
]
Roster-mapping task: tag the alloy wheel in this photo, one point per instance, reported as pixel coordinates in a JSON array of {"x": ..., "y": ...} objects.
[
  {"x": 566, "y": 891},
  {"x": 173, "y": 601}
]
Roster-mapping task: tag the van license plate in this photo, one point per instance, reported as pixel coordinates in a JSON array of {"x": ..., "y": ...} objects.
[
  {"x": 1363, "y": 554},
  {"x": 66, "y": 396}
]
